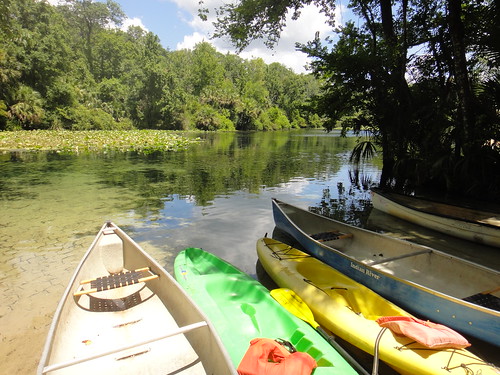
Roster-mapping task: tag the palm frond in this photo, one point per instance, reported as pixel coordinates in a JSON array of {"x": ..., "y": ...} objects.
[{"x": 363, "y": 151}]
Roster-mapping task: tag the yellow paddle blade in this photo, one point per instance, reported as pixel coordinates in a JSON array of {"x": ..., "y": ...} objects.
[{"x": 294, "y": 304}]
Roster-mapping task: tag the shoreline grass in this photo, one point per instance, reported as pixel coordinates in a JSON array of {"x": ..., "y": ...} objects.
[{"x": 93, "y": 140}]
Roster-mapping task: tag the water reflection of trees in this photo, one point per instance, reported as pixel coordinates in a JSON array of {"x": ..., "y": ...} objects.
[
  {"x": 351, "y": 205},
  {"x": 224, "y": 163}
]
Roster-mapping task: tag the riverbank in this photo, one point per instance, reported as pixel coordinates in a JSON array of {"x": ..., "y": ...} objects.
[{"x": 94, "y": 140}]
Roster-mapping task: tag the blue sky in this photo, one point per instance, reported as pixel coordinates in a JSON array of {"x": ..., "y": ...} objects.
[
  {"x": 162, "y": 17},
  {"x": 178, "y": 26}
]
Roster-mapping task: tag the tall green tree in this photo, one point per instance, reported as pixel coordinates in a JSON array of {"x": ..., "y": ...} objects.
[
  {"x": 407, "y": 71},
  {"x": 69, "y": 66},
  {"x": 152, "y": 78},
  {"x": 89, "y": 18},
  {"x": 207, "y": 70},
  {"x": 35, "y": 56}
]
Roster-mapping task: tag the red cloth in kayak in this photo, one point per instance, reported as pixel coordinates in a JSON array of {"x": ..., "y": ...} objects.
[
  {"x": 267, "y": 357},
  {"x": 431, "y": 335}
]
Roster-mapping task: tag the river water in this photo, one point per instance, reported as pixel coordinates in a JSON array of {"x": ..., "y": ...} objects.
[{"x": 216, "y": 195}]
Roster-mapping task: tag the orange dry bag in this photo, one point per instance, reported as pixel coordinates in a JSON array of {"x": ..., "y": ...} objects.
[{"x": 268, "y": 357}]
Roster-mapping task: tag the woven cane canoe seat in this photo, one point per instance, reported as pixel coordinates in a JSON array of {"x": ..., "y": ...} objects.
[{"x": 114, "y": 281}]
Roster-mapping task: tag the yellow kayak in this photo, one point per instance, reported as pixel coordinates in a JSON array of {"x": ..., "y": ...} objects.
[{"x": 350, "y": 310}]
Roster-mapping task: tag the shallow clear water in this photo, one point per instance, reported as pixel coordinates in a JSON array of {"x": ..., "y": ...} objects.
[{"x": 217, "y": 196}]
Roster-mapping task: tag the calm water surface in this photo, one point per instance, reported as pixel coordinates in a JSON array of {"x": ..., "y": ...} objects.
[{"x": 217, "y": 195}]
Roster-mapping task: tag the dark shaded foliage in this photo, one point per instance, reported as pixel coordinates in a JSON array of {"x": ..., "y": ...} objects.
[{"x": 421, "y": 76}]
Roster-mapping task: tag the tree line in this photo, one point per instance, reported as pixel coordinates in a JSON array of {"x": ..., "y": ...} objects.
[
  {"x": 422, "y": 75},
  {"x": 71, "y": 67}
]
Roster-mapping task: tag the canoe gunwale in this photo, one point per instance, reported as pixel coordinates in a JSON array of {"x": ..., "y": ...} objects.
[
  {"x": 425, "y": 250},
  {"x": 435, "y": 213},
  {"x": 485, "y": 229},
  {"x": 57, "y": 314}
]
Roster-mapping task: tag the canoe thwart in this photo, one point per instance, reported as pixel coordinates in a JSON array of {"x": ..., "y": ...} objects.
[
  {"x": 390, "y": 259},
  {"x": 330, "y": 236},
  {"x": 117, "y": 280},
  {"x": 177, "y": 331}
]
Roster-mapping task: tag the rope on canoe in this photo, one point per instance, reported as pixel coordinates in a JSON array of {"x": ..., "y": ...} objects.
[{"x": 467, "y": 359}]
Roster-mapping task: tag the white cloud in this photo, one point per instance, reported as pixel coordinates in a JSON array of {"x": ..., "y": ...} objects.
[
  {"x": 301, "y": 30},
  {"x": 190, "y": 41},
  {"x": 136, "y": 21}
]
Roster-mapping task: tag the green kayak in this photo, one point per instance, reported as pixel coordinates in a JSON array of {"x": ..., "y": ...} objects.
[{"x": 241, "y": 309}]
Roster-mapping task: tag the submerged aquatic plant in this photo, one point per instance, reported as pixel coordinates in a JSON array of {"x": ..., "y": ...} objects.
[{"x": 94, "y": 140}]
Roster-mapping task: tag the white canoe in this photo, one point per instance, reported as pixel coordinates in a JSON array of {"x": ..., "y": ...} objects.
[
  {"x": 122, "y": 313},
  {"x": 462, "y": 222}
]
